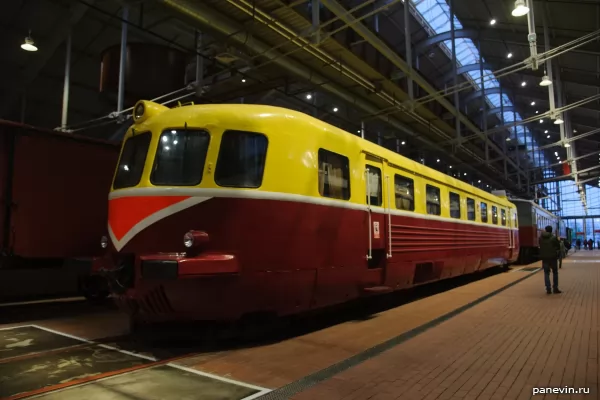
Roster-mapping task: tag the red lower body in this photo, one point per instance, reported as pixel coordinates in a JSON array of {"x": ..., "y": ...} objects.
[{"x": 286, "y": 257}]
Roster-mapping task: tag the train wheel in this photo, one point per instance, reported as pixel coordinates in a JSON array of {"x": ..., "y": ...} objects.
[{"x": 95, "y": 289}]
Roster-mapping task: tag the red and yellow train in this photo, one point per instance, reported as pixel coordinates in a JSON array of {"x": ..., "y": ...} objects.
[{"x": 222, "y": 211}]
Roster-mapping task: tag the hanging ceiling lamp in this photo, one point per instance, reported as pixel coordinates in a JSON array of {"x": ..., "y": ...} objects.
[
  {"x": 29, "y": 45},
  {"x": 520, "y": 9},
  {"x": 545, "y": 81},
  {"x": 558, "y": 121}
]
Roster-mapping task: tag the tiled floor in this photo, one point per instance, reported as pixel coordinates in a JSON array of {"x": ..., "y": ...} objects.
[{"x": 503, "y": 348}]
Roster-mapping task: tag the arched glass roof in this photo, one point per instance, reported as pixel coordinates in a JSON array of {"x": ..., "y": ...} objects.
[{"x": 434, "y": 15}]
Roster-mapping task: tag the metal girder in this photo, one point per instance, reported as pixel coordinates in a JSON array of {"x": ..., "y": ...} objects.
[
  {"x": 501, "y": 109},
  {"x": 391, "y": 55},
  {"x": 442, "y": 37},
  {"x": 563, "y": 177},
  {"x": 477, "y": 94},
  {"x": 467, "y": 68},
  {"x": 60, "y": 33},
  {"x": 201, "y": 13}
]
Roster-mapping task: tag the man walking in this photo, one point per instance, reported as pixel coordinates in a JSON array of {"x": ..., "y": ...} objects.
[{"x": 549, "y": 253}]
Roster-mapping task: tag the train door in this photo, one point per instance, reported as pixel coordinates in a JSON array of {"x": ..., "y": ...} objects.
[{"x": 377, "y": 219}]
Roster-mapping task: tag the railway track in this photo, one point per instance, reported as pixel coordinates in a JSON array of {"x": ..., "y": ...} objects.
[{"x": 81, "y": 362}]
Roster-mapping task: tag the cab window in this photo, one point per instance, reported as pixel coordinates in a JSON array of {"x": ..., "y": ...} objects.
[
  {"x": 470, "y": 209},
  {"x": 133, "y": 158},
  {"x": 180, "y": 157},
  {"x": 405, "y": 190},
  {"x": 454, "y": 205},
  {"x": 241, "y": 161},
  {"x": 374, "y": 195},
  {"x": 484, "y": 212},
  {"x": 334, "y": 175},
  {"x": 494, "y": 215},
  {"x": 433, "y": 200}
]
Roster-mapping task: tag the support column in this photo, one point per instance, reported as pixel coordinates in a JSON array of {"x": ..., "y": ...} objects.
[
  {"x": 502, "y": 122},
  {"x": 362, "y": 129},
  {"x": 121, "y": 94},
  {"x": 316, "y": 21},
  {"x": 532, "y": 37},
  {"x": 483, "y": 107},
  {"x": 199, "y": 64},
  {"x": 408, "y": 47},
  {"x": 67, "y": 85},
  {"x": 548, "y": 65},
  {"x": 454, "y": 72}
]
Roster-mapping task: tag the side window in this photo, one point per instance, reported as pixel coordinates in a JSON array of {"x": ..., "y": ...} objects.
[
  {"x": 334, "y": 175},
  {"x": 484, "y": 212},
  {"x": 241, "y": 161},
  {"x": 454, "y": 205},
  {"x": 503, "y": 214},
  {"x": 471, "y": 209},
  {"x": 374, "y": 195},
  {"x": 433, "y": 200},
  {"x": 405, "y": 193},
  {"x": 494, "y": 215},
  {"x": 515, "y": 220}
]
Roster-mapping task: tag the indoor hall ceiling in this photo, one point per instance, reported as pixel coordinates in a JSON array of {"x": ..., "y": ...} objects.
[{"x": 35, "y": 80}]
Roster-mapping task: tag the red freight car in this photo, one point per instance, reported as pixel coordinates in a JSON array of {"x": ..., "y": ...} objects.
[{"x": 53, "y": 189}]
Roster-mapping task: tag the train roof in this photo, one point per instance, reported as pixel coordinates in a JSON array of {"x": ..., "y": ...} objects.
[
  {"x": 534, "y": 205},
  {"x": 256, "y": 115}
]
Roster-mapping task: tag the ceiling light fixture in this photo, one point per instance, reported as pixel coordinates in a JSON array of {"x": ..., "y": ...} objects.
[
  {"x": 541, "y": 121},
  {"x": 548, "y": 136},
  {"x": 509, "y": 55},
  {"x": 403, "y": 143},
  {"x": 520, "y": 9},
  {"x": 567, "y": 145},
  {"x": 493, "y": 22},
  {"x": 533, "y": 103},
  {"x": 537, "y": 112},
  {"x": 558, "y": 121},
  {"x": 28, "y": 44},
  {"x": 546, "y": 131},
  {"x": 309, "y": 96},
  {"x": 545, "y": 81},
  {"x": 523, "y": 83},
  {"x": 335, "y": 109}
]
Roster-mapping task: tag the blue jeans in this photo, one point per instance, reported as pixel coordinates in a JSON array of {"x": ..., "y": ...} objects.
[{"x": 547, "y": 265}]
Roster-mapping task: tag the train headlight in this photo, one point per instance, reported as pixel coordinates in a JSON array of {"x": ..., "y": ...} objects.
[
  {"x": 195, "y": 238},
  {"x": 104, "y": 242},
  {"x": 139, "y": 110},
  {"x": 188, "y": 240}
]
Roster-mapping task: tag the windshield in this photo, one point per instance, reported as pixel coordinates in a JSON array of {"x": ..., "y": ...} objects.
[
  {"x": 180, "y": 157},
  {"x": 133, "y": 158}
]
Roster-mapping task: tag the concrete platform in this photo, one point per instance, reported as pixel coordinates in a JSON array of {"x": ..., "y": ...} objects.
[{"x": 519, "y": 344}]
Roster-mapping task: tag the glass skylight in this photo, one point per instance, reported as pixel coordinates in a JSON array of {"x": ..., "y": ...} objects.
[{"x": 434, "y": 15}]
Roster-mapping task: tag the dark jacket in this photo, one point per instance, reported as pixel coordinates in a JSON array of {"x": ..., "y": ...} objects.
[{"x": 549, "y": 246}]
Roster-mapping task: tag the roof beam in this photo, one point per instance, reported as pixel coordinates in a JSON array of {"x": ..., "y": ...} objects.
[
  {"x": 60, "y": 32},
  {"x": 442, "y": 37},
  {"x": 391, "y": 55}
]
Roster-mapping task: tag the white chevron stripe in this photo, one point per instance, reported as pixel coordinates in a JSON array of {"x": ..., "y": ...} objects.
[{"x": 153, "y": 218}]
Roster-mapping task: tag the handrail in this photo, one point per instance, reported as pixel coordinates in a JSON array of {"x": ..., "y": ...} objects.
[
  {"x": 389, "y": 213},
  {"x": 370, "y": 254}
]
